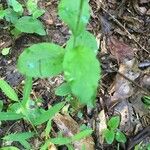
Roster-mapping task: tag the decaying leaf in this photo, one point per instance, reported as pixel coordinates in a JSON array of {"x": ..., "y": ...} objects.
[
  {"x": 70, "y": 127},
  {"x": 102, "y": 125},
  {"x": 122, "y": 88},
  {"x": 119, "y": 49}
]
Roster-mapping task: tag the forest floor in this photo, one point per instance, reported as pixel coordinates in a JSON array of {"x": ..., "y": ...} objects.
[{"x": 122, "y": 30}]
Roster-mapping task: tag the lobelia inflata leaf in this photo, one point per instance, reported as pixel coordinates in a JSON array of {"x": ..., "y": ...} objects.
[
  {"x": 85, "y": 38},
  {"x": 82, "y": 71},
  {"x": 41, "y": 60},
  {"x": 28, "y": 24},
  {"x": 69, "y": 11}
]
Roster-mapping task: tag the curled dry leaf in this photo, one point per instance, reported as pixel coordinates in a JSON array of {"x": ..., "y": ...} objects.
[
  {"x": 102, "y": 125},
  {"x": 70, "y": 127},
  {"x": 122, "y": 88},
  {"x": 119, "y": 49}
]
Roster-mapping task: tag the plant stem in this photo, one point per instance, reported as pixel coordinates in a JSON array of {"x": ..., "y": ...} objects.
[
  {"x": 78, "y": 21},
  {"x": 27, "y": 90}
]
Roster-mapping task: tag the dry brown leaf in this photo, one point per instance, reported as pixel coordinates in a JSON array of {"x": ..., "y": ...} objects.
[
  {"x": 122, "y": 88},
  {"x": 70, "y": 127},
  {"x": 119, "y": 49},
  {"x": 102, "y": 125}
]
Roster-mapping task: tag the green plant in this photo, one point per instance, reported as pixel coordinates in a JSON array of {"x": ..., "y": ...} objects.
[
  {"x": 146, "y": 101},
  {"x": 112, "y": 132},
  {"x": 77, "y": 61},
  {"x": 20, "y": 23}
]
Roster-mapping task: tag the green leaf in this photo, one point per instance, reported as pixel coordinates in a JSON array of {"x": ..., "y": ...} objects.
[
  {"x": 33, "y": 8},
  {"x": 49, "y": 114},
  {"x": 69, "y": 11},
  {"x": 2, "y": 14},
  {"x": 63, "y": 90},
  {"x": 18, "y": 136},
  {"x": 5, "y": 51},
  {"x": 1, "y": 105},
  {"x": 28, "y": 24},
  {"x": 11, "y": 15},
  {"x": 8, "y": 91},
  {"x": 9, "y": 148},
  {"x": 114, "y": 122},
  {"x": 82, "y": 72},
  {"x": 84, "y": 39},
  {"x": 61, "y": 140},
  {"x": 120, "y": 137},
  {"x": 82, "y": 135},
  {"x": 25, "y": 144},
  {"x": 17, "y": 7},
  {"x": 109, "y": 136},
  {"x": 41, "y": 60},
  {"x": 10, "y": 116}
]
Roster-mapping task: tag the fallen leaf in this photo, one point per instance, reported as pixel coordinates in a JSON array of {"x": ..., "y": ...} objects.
[
  {"x": 119, "y": 49},
  {"x": 102, "y": 125},
  {"x": 70, "y": 127}
]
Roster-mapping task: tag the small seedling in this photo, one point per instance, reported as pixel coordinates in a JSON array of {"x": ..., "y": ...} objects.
[{"x": 112, "y": 132}]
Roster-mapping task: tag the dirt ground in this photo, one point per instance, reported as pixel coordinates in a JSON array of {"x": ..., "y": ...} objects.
[{"x": 122, "y": 30}]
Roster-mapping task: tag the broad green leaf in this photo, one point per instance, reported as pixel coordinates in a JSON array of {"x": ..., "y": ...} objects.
[
  {"x": 84, "y": 39},
  {"x": 82, "y": 135},
  {"x": 4, "y": 116},
  {"x": 2, "y": 14},
  {"x": 28, "y": 24},
  {"x": 11, "y": 15},
  {"x": 18, "y": 136},
  {"x": 109, "y": 136},
  {"x": 61, "y": 140},
  {"x": 63, "y": 90},
  {"x": 17, "y": 7},
  {"x": 114, "y": 122},
  {"x": 82, "y": 72},
  {"x": 49, "y": 114},
  {"x": 5, "y": 51},
  {"x": 1, "y": 105},
  {"x": 41, "y": 60},
  {"x": 69, "y": 11},
  {"x": 120, "y": 137},
  {"x": 8, "y": 91},
  {"x": 9, "y": 148}
]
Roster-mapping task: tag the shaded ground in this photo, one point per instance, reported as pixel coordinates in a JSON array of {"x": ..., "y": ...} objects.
[{"x": 122, "y": 29}]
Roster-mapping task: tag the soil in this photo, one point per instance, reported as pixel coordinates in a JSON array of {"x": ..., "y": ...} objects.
[{"x": 122, "y": 30}]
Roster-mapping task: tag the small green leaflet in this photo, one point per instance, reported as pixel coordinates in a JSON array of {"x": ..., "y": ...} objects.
[
  {"x": 114, "y": 122},
  {"x": 18, "y": 136},
  {"x": 82, "y": 72},
  {"x": 5, "y": 51},
  {"x": 61, "y": 140},
  {"x": 8, "y": 91},
  {"x": 41, "y": 60},
  {"x": 49, "y": 114},
  {"x": 120, "y": 137},
  {"x": 63, "y": 90},
  {"x": 9, "y": 148},
  {"x": 17, "y": 7},
  {"x": 33, "y": 8},
  {"x": 82, "y": 135},
  {"x": 28, "y": 24},
  {"x": 69, "y": 10},
  {"x": 109, "y": 136},
  {"x": 2, "y": 14},
  {"x": 10, "y": 116},
  {"x": 84, "y": 39},
  {"x": 1, "y": 105}
]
